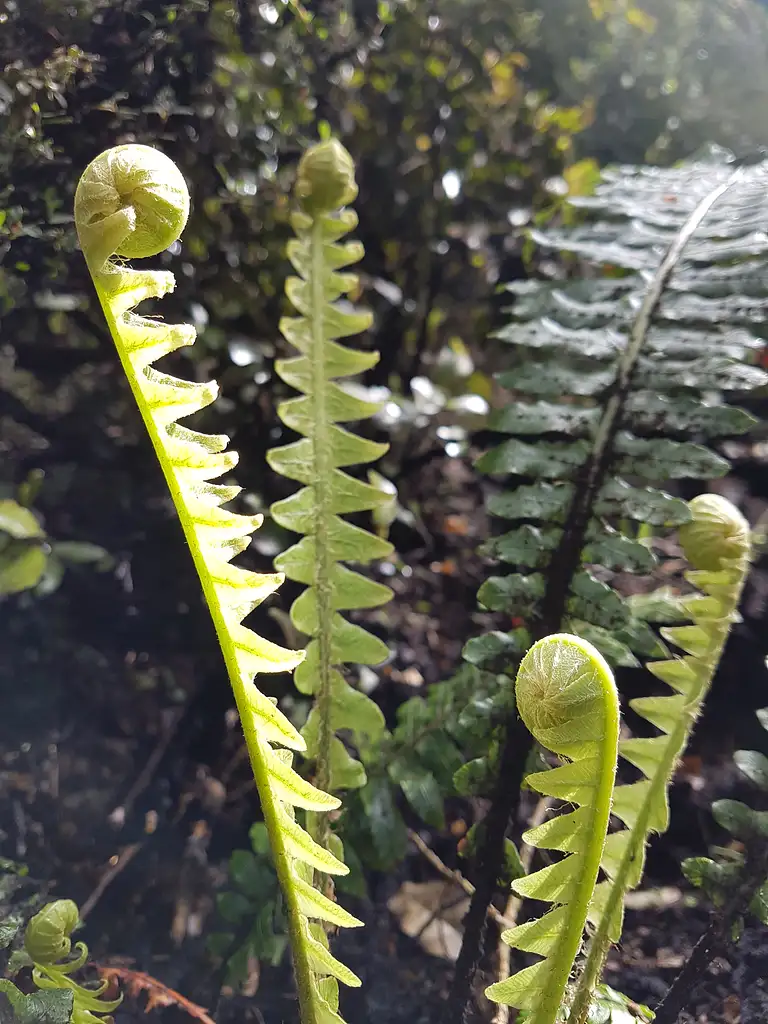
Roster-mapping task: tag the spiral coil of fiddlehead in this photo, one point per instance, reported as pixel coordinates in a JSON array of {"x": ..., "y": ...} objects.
[{"x": 47, "y": 948}]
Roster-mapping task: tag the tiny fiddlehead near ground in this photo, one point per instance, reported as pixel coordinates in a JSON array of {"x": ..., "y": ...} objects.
[
  {"x": 567, "y": 697},
  {"x": 132, "y": 202},
  {"x": 325, "y": 184},
  {"x": 47, "y": 948},
  {"x": 716, "y": 543}
]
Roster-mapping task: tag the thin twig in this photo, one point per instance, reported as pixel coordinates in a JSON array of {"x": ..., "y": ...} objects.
[
  {"x": 514, "y": 903},
  {"x": 114, "y": 869},
  {"x": 158, "y": 994},
  {"x": 454, "y": 876}
]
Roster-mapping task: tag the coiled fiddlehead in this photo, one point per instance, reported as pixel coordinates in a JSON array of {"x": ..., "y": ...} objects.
[
  {"x": 567, "y": 698},
  {"x": 47, "y": 946},
  {"x": 716, "y": 542},
  {"x": 132, "y": 201},
  {"x": 326, "y": 182}
]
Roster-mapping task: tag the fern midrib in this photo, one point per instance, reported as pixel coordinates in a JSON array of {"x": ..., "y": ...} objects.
[
  {"x": 567, "y": 559},
  {"x": 304, "y": 978},
  {"x": 570, "y": 942},
  {"x": 601, "y": 942},
  {"x": 323, "y": 482}
]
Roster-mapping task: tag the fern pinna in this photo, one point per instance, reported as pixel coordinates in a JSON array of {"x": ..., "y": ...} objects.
[
  {"x": 325, "y": 183},
  {"x": 568, "y": 699},
  {"x": 132, "y": 202},
  {"x": 716, "y": 543},
  {"x": 619, "y": 381}
]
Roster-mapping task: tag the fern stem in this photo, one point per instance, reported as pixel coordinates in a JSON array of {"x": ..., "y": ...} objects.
[
  {"x": 505, "y": 801},
  {"x": 258, "y": 764},
  {"x": 323, "y": 563}
]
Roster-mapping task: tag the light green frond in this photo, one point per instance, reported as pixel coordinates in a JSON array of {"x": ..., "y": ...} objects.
[
  {"x": 716, "y": 543},
  {"x": 48, "y": 946},
  {"x": 567, "y": 698},
  {"x": 318, "y": 461},
  {"x": 132, "y": 202}
]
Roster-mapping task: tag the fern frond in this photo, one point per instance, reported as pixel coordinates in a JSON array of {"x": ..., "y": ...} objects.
[
  {"x": 133, "y": 202},
  {"x": 716, "y": 543},
  {"x": 326, "y": 183},
  {"x": 624, "y": 377},
  {"x": 47, "y": 949},
  {"x": 567, "y": 698}
]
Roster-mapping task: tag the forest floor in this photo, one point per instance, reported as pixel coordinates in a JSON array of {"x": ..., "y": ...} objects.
[{"x": 125, "y": 788}]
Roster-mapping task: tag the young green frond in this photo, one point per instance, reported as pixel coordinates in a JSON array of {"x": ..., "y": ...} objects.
[
  {"x": 47, "y": 948},
  {"x": 325, "y": 183},
  {"x": 568, "y": 700},
  {"x": 133, "y": 202},
  {"x": 716, "y": 543}
]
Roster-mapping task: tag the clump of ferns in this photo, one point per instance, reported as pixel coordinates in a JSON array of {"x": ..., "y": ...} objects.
[
  {"x": 132, "y": 202},
  {"x": 47, "y": 950},
  {"x": 557, "y": 693},
  {"x": 620, "y": 381}
]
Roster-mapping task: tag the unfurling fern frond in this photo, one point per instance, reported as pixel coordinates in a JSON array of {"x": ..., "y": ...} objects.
[
  {"x": 716, "y": 543},
  {"x": 133, "y": 202},
  {"x": 326, "y": 182},
  {"x": 567, "y": 698},
  {"x": 47, "y": 948}
]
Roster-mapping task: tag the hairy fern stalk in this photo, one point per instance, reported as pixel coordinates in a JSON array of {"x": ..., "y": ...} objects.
[
  {"x": 620, "y": 381},
  {"x": 325, "y": 183},
  {"x": 132, "y": 202},
  {"x": 567, "y": 697}
]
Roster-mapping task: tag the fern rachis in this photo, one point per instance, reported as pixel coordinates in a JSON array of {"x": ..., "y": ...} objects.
[{"x": 132, "y": 202}]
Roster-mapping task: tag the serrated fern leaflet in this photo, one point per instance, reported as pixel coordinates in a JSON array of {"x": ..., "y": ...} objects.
[
  {"x": 132, "y": 202},
  {"x": 567, "y": 698},
  {"x": 326, "y": 183},
  {"x": 716, "y": 543}
]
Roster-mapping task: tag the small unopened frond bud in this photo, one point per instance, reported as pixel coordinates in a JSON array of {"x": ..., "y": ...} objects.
[{"x": 326, "y": 178}]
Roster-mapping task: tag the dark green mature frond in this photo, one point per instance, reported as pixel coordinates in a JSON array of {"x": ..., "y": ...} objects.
[
  {"x": 318, "y": 461},
  {"x": 622, "y": 383}
]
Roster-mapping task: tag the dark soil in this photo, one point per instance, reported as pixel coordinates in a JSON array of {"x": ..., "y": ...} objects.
[{"x": 113, "y": 697}]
